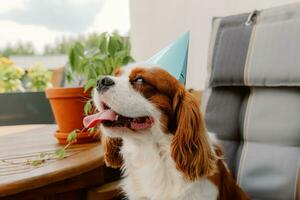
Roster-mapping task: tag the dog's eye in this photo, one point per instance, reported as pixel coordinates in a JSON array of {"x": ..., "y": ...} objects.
[{"x": 139, "y": 80}]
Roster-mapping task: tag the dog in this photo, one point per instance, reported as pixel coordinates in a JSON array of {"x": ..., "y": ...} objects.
[{"x": 153, "y": 129}]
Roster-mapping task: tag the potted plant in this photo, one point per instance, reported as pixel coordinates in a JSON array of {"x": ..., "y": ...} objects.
[
  {"x": 85, "y": 65},
  {"x": 22, "y": 98}
]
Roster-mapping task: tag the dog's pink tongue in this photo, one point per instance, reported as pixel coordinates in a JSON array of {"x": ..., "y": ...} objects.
[{"x": 97, "y": 118}]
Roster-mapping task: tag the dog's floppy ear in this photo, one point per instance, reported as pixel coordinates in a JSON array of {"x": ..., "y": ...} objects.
[
  {"x": 112, "y": 156},
  {"x": 190, "y": 147}
]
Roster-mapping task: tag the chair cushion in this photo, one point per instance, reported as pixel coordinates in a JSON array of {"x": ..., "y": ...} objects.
[
  {"x": 253, "y": 99},
  {"x": 264, "y": 53}
]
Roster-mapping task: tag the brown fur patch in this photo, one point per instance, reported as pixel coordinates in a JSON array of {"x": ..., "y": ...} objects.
[
  {"x": 228, "y": 189},
  {"x": 159, "y": 88},
  {"x": 190, "y": 147},
  {"x": 197, "y": 94},
  {"x": 112, "y": 156},
  {"x": 117, "y": 72}
]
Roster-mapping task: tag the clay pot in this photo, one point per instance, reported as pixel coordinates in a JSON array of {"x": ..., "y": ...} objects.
[{"x": 67, "y": 105}]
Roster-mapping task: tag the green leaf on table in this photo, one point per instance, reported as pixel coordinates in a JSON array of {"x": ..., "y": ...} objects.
[
  {"x": 60, "y": 153},
  {"x": 72, "y": 136},
  {"x": 42, "y": 155},
  {"x": 37, "y": 162}
]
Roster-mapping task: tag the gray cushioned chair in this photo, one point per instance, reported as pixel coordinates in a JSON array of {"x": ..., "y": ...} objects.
[{"x": 252, "y": 102}]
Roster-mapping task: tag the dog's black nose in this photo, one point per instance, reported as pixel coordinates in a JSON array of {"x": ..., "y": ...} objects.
[{"x": 104, "y": 83}]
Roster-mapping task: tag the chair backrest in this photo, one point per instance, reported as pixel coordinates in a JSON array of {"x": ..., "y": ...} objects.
[{"x": 252, "y": 102}]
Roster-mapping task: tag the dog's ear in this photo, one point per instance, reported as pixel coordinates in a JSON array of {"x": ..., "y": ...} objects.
[
  {"x": 112, "y": 156},
  {"x": 190, "y": 148}
]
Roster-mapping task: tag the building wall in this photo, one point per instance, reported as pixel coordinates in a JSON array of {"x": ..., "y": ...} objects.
[{"x": 156, "y": 23}]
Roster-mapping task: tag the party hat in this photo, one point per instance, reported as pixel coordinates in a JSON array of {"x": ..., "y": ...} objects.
[{"x": 173, "y": 58}]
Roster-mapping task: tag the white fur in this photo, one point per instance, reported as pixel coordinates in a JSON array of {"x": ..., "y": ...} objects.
[{"x": 149, "y": 171}]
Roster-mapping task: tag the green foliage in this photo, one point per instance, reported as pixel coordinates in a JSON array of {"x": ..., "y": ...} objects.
[
  {"x": 64, "y": 44},
  {"x": 106, "y": 53},
  {"x": 38, "y": 78},
  {"x": 72, "y": 136},
  {"x": 36, "y": 163},
  {"x": 10, "y": 76},
  {"x": 41, "y": 159},
  {"x": 60, "y": 153},
  {"x": 92, "y": 130},
  {"x": 13, "y": 78},
  {"x": 112, "y": 51},
  {"x": 18, "y": 49},
  {"x": 42, "y": 155},
  {"x": 88, "y": 107}
]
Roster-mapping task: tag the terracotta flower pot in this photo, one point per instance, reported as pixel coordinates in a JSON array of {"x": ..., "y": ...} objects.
[{"x": 67, "y": 105}]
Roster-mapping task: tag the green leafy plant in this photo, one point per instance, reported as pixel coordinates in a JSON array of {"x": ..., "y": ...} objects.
[
  {"x": 110, "y": 52},
  {"x": 15, "y": 79},
  {"x": 10, "y": 76},
  {"x": 87, "y": 62},
  {"x": 38, "y": 78}
]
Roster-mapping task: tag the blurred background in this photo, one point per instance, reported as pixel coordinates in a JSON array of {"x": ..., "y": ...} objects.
[
  {"x": 47, "y": 27},
  {"x": 35, "y": 31}
]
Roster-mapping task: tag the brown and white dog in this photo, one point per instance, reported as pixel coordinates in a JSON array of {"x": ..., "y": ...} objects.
[{"x": 154, "y": 131}]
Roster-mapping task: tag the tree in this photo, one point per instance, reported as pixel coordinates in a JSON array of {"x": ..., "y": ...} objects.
[
  {"x": 64, "y": 44},
  {"x": 61, "y": 45},
  {"x": 20, "y": 48}
]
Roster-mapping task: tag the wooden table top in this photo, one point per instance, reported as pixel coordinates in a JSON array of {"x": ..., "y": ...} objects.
[{"x": 21, "y": 143}]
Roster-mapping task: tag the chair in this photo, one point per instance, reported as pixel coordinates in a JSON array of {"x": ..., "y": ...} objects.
[{"x": 252, "y": 102}]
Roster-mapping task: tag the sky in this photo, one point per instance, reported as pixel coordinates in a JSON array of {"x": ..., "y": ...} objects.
[{"x": 43, "y": 21}]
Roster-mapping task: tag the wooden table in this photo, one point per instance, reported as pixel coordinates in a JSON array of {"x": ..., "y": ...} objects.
[{"x": 68, "y": 178}]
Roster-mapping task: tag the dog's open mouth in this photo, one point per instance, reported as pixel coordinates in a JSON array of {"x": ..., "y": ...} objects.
[{"x": 110, "y": 118}]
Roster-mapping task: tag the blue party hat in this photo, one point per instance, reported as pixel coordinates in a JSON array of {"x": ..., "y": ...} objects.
[{"x": 173, "y": 58}]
